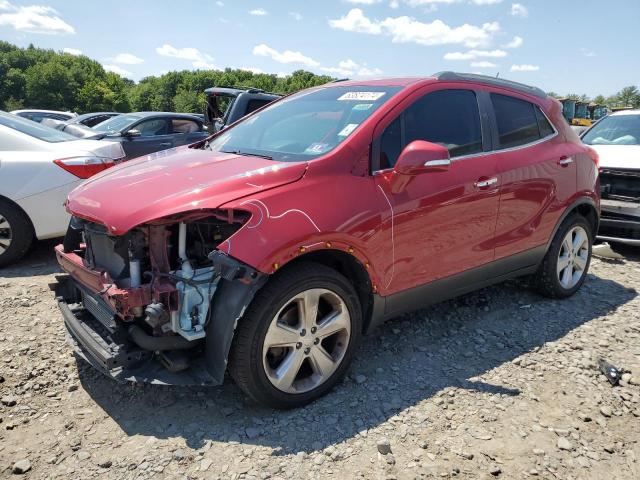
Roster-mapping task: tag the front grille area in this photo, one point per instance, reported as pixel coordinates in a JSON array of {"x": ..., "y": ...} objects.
[{"x": 620, "y": 184}]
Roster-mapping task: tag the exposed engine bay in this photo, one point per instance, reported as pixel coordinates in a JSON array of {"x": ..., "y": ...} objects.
[{"x": 148, "y": 294}]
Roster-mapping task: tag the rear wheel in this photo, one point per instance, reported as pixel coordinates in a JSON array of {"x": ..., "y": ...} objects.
[
  {"x": 297, "y": 338},
  {"x": 566, "y": 263},
  {"x": 16, "y": 233}
]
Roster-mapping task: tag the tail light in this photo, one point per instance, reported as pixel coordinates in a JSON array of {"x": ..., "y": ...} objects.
[{"x": 84, "y": 167}]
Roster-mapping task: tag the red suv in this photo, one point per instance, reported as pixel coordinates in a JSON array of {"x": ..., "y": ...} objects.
[{"x": 270, "y": 248}]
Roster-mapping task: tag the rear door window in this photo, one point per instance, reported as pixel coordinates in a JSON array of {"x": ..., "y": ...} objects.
[
  {"x": 516, "y": 119},
  {"x": 181, "y": 125}
]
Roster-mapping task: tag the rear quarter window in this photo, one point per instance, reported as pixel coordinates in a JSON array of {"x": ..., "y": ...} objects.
[{"x": 517, "y": 121}]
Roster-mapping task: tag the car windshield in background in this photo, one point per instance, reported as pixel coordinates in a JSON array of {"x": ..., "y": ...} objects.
[
  {"x": 116, "y": 124},
  {"x": 615, "y": 130},
  {"x": 33, "y": 129},
  {"x": 305, "y": 125}
]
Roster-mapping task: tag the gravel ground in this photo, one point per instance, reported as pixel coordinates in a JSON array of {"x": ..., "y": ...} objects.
[{"x": 500, "y": 383}]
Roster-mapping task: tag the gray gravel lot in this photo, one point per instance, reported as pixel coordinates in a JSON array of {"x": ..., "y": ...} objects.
[{"x": 501, "y": 383}]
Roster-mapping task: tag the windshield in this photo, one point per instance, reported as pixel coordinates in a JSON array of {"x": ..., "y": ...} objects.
[
  {"x": 116, "y": 124},
  {"x": 615, "y": 130},
  {"x": 33, "y": 129},
  {"x": 305, "y": 125}
]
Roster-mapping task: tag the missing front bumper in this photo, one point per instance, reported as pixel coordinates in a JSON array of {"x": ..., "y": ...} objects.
[{"x": 111, "y": 352}]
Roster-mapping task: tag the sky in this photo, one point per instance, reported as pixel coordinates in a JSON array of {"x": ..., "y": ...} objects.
[{"x": 566, "y": 46}]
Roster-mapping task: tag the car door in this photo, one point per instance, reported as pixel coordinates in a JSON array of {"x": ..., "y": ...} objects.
[
  {"x": 441, "y": 223},
  {"x": 186, "y": 131},
  {"x": 538, "y": 175},
  {"x": 154, "y": 136}
]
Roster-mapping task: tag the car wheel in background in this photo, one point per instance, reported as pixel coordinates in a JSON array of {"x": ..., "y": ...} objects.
[
  {"x": 16, "y": 233},
  {"x": 566, "y": 263},
  {"x": 297, "y": 338}
]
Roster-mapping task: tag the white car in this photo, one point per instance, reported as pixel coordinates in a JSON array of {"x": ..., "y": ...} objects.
[
  {"x": 616, "y": 138},
  {"x": 39, "y": 166},
  {"x": 40, "y": 115}
]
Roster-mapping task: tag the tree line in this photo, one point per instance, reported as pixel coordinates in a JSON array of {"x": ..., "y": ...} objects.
[{"x": 39, "y": 78}]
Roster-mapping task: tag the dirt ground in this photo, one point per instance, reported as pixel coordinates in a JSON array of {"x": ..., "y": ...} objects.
[{"x": 501, "y": 383}]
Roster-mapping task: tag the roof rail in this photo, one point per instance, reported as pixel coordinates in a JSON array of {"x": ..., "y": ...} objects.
[
  {"x": 339, "y": 80},
  {"x": 494, "y": 81}
]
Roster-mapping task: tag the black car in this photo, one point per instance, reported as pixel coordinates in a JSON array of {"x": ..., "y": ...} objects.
[
  {"x": 225, "y": 105},
  {"x": 146, "y": 132}
]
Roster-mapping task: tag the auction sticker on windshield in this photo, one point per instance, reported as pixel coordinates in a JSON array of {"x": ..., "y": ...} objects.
[
  {"x": 347, "y": 130},
  {"x": 362, "y": 96}
]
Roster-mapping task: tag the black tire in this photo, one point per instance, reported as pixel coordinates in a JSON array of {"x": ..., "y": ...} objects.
[
  {"x": 546, "y": 279},
  {"x": 21, "y": 233},
  {"x": 245, "y": 358}
]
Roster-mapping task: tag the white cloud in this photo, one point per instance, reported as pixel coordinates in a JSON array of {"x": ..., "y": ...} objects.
[
  {"x": 116, "y": 69},
  {"x": 127, "y": 59},
  {"x": 258, "y": 12},
  {"x": 288, "y": 56},
  {"x": 33, "y": 19},
  {"x": 394, "y": 4},
  {"x": 364, "y": 2},
  {"x": 473, "y": 54},
  {"x": 296, "y": 16},
  {"x": 355, "y": 21},
  {"x": 252, "y": 69},
  {"x": 515, "y": 43},
  {"x": 525, "y": 68},
  {"x": 349, "y": 68},
  {"x": 430, "y": 3},
  {"x": 408, "y": 30},
  {"x": 519, "y": 10},
  {"x": 219, "y": 3},
  {"x": 483, "y": 64},
  {"x": 196, "y": 57},
  {"x": 587, "y": 53},
  {"x": 70, "y": 51}
]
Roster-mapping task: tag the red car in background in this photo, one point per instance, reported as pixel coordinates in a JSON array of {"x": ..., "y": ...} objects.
[{"x": 271, "y": 247}]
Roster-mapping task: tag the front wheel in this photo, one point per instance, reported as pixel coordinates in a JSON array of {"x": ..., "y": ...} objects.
[
  {"x": 297, "y": 338},
  {"x": 566, "y": 263}
]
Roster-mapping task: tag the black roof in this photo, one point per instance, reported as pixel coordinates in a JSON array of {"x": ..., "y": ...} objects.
[
  {"x": 234, "y": 91},
  {"x": 493, "y": 81},
  {"x": 190, "y": 116}
]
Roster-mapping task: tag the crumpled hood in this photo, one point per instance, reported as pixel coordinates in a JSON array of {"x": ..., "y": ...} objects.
[
  {"x": 618, "y": 156},
  {"x": 174, "y": 181}
]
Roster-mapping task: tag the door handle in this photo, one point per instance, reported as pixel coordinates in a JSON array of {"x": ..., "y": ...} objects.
[
  {"x": 166, "y": 144},
  {"x": 486, "y": 183},
  {"x": 565, "y": 161}
]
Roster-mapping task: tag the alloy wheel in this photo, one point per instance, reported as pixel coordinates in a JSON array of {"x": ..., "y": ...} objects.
[
  {"x": 5, "y": 234},
  {"x": 573, "y": 257},
  {"x": 306, "y": 340}
]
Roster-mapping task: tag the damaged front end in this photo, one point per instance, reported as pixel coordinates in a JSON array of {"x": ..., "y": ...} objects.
[
  {"x": 620, "y": 206},
  {"x": 159, "y": 303}
]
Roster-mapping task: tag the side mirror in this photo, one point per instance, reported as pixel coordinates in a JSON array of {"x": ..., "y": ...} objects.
[
  {"x": 418, "y": 157},
  {"x": 134, "y": 132}
]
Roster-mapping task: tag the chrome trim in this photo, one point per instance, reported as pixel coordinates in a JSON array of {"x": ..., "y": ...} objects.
[
  {"x": 486, "y": 183},
  {"x": 438, "y": 163},
  {"x": 626, "y": 241}
]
